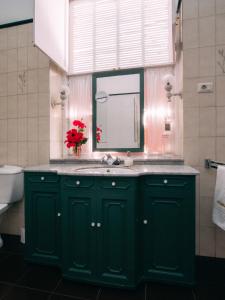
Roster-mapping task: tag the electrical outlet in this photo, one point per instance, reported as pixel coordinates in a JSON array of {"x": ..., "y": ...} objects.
[{"x": 205, "y": 87}]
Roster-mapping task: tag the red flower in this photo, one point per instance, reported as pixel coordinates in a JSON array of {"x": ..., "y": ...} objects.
[
  {"x": 79, "y": 124},
  {"x": 98, "y": 134}
]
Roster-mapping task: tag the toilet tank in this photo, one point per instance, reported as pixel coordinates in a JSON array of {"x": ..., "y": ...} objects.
[{"x": 11, "y": 184}]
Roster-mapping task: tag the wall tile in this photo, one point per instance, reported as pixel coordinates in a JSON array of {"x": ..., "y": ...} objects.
[
  {"x": 220, "y": 124},
  {"x": 3, "y": 131},
  {"x": 220, "y": 7},
  {"x": 32, "y": 57},
  {"x": 207, "y": 241},
  {"x": 220, "y": 146},
  {"x": 12, "y": 60},
  {"x": 12, "y": 102},
  {"x": 22, "y": 106},
  {"x": 191, "y": 151},
  {"x": 43, "y": 80},
  {"x": 206, "y": 7},
  {"x": 191, "y": 122},
  {"x": 12, "y": 38},
  {"x": 207, "y": 31},
  {"x": 22, "y": 36},
  {"x": 220, "y": 90},
  {"x": 207, "y": 121},
  {"x": 3, "y": 39},
  {"x": 32, "y": 81},
  {"x": 190, "y": 33},
  {"x": 190, "y": 9},
  {"x": 32, "y": 153},
  {"x": 43, "y": 153},
  {"x": 22, "y": 82},
  {"x": 3, "y": 61},
  {"x": 220, "y": 60},
  {"x": 207, "y": 182},
  {"x": 207, "y": 149},
  {"x": 3, "y": 107},
  {"x": 12, "y": 130},
  {"x": 207, "y": 61},
  {"x": 43, "y": 105},
  {"x": 206, "y": 205},
  {"x": 3, "y": 84},
  {"x": 207, "y": 99},
  {"x": 12, "y": 153},
  {"x": 43, "y": 60},
  {"x": 22, "y": 58},
  {"x": 220, "y": 29},
  {"x": 43, "y": 129},
  {"x": 32, "y": 105},
  {"x": 12, "y": 82},
  {"x": 22, "y": 154},
  {"x": 22, "y": 130},
  {"x": 32, "y": 124},
  {"x": 191, "y": 63},
  {"x": 3, "y": 152}
]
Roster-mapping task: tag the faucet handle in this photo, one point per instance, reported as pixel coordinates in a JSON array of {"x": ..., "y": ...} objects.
[{"x": 117, "y": 161}]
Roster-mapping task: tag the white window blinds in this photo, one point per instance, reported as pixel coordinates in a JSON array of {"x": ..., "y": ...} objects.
[{"x": 112, "y": 34}]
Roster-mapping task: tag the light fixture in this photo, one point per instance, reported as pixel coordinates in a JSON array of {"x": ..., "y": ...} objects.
[
  {"x": 63, "y": 95},
  {"x": 169, "y": 82}
]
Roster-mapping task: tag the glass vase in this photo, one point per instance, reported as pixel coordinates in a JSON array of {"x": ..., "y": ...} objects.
[{"x": 77, "y": 151}]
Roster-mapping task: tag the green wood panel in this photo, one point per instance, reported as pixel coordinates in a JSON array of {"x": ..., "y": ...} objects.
[
  {"x": 79, "y": 238},
  {"x": 169, "y": 235},
  {"x": 43, "y": 225}
]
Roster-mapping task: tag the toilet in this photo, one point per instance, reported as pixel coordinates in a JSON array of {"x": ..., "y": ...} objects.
[{"x": 11, "y": 188}]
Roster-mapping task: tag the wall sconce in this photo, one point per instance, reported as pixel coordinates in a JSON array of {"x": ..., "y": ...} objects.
[
  {"x": 64, "y": 93},
  {"x": 169, "y": 82}
]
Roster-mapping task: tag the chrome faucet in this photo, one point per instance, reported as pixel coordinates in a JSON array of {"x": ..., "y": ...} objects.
[{"x": 109, "y": 160}]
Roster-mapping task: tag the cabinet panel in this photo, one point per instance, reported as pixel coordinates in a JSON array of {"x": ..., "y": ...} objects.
[
  {"x": 43, "y": 228},
  {"x": 169, "y": 233},
  {"x": 78, "y": 238}
]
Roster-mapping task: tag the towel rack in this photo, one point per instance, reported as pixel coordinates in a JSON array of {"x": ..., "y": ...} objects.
[{"x": 212, "y": 164}]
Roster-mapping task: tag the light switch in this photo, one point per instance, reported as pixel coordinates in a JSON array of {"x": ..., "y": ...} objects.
[{"x": 205, "y": 87}]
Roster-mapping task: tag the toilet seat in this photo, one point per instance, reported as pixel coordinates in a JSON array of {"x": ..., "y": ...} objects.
[{"x": 3, "y": 208}]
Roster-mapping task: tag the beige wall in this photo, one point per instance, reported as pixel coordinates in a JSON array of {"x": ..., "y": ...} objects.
[
  {"x": 24, "y": 108},
  {"x": 204, "y": 114}
]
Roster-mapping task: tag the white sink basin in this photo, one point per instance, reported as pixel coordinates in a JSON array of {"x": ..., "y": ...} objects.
[{"x": 104, "y": 170}]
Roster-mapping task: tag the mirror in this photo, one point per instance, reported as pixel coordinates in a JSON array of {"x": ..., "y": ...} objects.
[{"x": 118, "y": 101}]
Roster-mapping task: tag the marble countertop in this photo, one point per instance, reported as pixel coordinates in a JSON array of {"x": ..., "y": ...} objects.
[{"x": 105, "y": 170}]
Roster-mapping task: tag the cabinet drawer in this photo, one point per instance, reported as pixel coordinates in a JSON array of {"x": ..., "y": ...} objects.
[
  {"x": 164, "y": 181},
  {"x": 115, "y": 183},
  {"x": 42, "y": 177},
  {"x": 77, "y": 182}
]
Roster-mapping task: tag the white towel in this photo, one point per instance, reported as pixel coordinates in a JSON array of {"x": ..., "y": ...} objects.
[{"x": 219, "y": 199}]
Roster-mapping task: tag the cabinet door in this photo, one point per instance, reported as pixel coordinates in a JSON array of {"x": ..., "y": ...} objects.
[
  {"x": 169, "y": 229},
  {"x": 43, "y": 230},
  {"x": 79, "y": 237},
  {"x": 116, "y": 231}
]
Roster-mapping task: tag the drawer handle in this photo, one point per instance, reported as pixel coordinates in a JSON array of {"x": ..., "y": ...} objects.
[
  {"x": 77, "y": 182},
  {"x": 113, "y": 183},
  {"x": 145, "y": 222},
  {"x": 99, "y": 225},
  {"x": 58, "y": 214},
  {"x": 92, "y": 224},
  {"x": 42, "y": 178},
  {"x": 165, "y": 181}
]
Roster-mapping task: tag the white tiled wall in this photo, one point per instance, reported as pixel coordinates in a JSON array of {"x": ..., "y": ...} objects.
[
  {"x": 24, "y": 108},
  {"x": 204, "y": 114}
]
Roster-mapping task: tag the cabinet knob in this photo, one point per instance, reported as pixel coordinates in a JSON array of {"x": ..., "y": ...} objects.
[
  {"x": 99, "y": 225},
  {"x": 145, "y": 222},
  {"x": 42, "y": 178},
  {"x": 113, "y": 183},
  {"x": 58, "y": 214},
  {"x": 165, "y": 181},
  {"x": 92, "y": 224},
  {"x": 78, "y": 182}
]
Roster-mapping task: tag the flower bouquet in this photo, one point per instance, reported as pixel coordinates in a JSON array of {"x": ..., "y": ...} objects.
[{"x": 75, "y": 137}]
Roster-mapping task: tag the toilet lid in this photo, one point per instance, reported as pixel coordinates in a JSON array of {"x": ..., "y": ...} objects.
[{"x": 3, "y": 207}]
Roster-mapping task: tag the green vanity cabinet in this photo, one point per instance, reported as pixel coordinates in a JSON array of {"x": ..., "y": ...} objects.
[
  {"x": 42, "y": 218},
  {"x": 99, "y": 227},
  {"x": 168, "y": 228}
]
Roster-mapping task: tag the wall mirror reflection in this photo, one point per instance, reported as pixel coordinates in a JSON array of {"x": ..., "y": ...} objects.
[{"x": 118, "y": 103}]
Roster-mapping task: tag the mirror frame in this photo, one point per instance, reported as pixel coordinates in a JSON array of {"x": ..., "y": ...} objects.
[{"x": 97, "y": 75}]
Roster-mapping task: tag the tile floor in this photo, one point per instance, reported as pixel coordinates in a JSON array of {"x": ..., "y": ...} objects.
[{"x": 22, "y": 281}]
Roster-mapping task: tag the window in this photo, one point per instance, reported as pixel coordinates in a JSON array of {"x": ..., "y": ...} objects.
[{"x": 112, "y": 34}]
